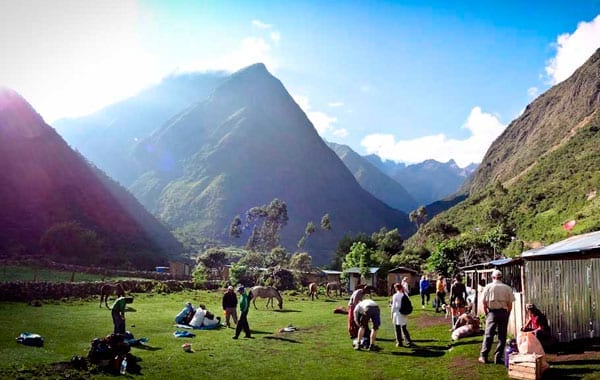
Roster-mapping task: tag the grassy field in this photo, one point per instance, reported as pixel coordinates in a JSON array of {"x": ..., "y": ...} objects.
[
  {"x": 319, "y": 349},
  {"x": 10, "y": 273}
]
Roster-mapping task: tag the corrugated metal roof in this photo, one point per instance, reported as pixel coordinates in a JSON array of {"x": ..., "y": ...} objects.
[
  {"x": 372, "y": 270},
  {"x": 574, "y": 244},
  {"x": 327, "y": 271},
  {"x": 402, "y": 269},
  {"x": 492, "y": 264}
]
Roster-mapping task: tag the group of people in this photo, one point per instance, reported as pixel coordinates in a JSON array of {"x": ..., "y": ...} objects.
[
  {"x": 362, "y": 311},
  {"x": 203, "y": 318}
]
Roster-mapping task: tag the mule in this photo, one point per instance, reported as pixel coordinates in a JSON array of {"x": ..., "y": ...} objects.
[
  {"x": 336, "y": 287},
  {"x": 266, "y": 292},
  {"x": 313, "y": 290},
  {"x": 107, "y": 290}
]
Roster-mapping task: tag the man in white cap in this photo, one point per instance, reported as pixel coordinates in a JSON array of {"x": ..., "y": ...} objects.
[
  {"x": 497, "y": 299},
  {"x": 230, "y": 306}
]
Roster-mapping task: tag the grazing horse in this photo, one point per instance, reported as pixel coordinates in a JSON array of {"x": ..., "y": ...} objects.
[
  {"x": 313, "y": 290},
  {"x": 266, "y": 292},
  {"x": 335, "y": 286},
  {"x": 109, "y": 289}
]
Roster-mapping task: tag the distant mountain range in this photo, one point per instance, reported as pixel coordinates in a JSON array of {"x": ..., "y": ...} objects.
[
  {"x": 427, "y": 182},
  {"x": 50, "y": 195},
  {"x": 374, "y": 180}
]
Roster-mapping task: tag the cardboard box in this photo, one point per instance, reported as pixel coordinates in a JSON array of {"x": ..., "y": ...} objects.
[{"x": 525, "y": 366}]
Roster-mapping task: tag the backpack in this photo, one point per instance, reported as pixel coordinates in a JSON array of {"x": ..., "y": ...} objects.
[{"x": 405, "y": 305}]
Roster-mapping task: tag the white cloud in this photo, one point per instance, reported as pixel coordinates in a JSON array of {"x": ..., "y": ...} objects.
[
  {"x": 484, "y": 128},
  {"x": 260, "y": 25},
  {"x": 335, "y": 104},
  {"x": 533, "y": 92},
  {"x": 572, "y": 50},
  {"x": 323, "y": 123}
]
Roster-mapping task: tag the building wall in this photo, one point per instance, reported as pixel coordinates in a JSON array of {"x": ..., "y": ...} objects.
[{"x": 567, "y": 291}]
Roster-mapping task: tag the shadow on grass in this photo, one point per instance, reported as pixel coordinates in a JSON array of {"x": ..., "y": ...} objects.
[
  {"x": 421, "y": 352},
  {"x": 566, "y": 373},
  {"x": 464, "y": 343},
  {"x": 287, "y": 311},
  {"x": 130, "y": 309},
  {"x": 281, "y": 339},
  {"x": 576, "y": 362},
  {"x": 255, "y": 332},
  {"x": 146, "y": 347}
]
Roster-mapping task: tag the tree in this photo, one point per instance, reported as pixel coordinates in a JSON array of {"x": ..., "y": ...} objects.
[
  {"x": 344, "y": 246},
  {"x": 359, "y": 256},
  {"x": 277, "y": 257},
  {"x": 266, "y": 222},
  {"x": 326, "y": 222},
  {"x": 301, "y": 261},
  {"x": 215, "y": 259},
  {"x": 418, "y": 216},
  {"x": 235, "y": 229},
  {"x": 253, "y": 260},
  {"x": 70, "y": 242}
]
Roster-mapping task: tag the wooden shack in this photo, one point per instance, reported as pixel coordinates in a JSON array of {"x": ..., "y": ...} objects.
[
  {"x": 563, "y": 281},
  {"x": 398, "y": 273}
]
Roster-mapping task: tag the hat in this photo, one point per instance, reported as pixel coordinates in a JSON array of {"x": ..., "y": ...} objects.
[
  {"x": 230, "y": 287},
  {"x": 496, "y": 274},
  {"x": 241, "y": 289}
]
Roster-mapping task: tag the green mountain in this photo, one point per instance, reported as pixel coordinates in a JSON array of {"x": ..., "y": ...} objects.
[
  {"x": 108, "y": 137},
  {"x": 243, "y": 146},
  {"x": 374, "y": 180},
  {"x": 544, "y": 169},
  {"x": 54, "y": 202}
]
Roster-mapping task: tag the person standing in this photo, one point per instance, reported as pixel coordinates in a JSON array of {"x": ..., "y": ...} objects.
[
  {"x": 230, "y": 306},
  {"x": 405, "y": 285},
  {"x": 242, "y": 323},
  {"x": 118, "y": 314},
  {"x": 399, "y": 319},
  {"x": 458, "y": 298},
  {"x": 424, "y": 290},
  {"x": 440, "y": 293},
  {"x": 497, "y": 302},
  {"x": 365, "y": 311}
]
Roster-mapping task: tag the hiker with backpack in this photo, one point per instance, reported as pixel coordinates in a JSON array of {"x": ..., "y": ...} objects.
[{"x": 401, "y": 308}]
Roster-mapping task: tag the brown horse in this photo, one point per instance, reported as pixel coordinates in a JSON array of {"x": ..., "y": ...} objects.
[
  {"x": 108, "y": 290},
  {"x": 336, "y": 287},
  {"x": 313, "y": 290},
  {"x": 266, "y": 292}
]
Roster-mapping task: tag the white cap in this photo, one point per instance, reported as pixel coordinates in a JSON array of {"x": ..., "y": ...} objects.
[{"x": 496, "y": 274}]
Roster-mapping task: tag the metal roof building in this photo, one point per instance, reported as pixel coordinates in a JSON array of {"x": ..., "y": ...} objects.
[{"x": 563, "y": 280}]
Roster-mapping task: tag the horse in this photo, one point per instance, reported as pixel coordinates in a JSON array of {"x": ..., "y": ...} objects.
[
  {"x": 266, "y": 292},
  {"x": 109, "y": 289},
  {"x": 313, "y": 290},
  {"x": 335, "y": 286}
]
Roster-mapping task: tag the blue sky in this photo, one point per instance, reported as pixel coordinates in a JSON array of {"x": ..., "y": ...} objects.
[{"x": 408, "y": 80}]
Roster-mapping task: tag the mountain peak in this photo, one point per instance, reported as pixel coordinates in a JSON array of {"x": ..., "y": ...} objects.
[{"x": 17, "y": 117}]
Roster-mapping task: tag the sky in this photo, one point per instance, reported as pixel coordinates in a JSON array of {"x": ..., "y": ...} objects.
[{"x": 406, "y": 80}]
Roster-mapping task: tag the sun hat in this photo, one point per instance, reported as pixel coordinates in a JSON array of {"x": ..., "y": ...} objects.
[{"x": 230, "y": 287}]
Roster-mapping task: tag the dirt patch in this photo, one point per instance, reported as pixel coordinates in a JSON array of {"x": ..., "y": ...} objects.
[{"x": 466, "y": 366}]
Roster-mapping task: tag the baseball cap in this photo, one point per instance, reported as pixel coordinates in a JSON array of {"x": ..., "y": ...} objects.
[
  {"x": 240, "y": 289},
  {"x": 230, "y": 287},
  {"x": 496, "y": 273}
]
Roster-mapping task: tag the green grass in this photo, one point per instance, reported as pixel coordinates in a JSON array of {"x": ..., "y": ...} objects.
[
  {"x": 9, "y": 273},
  {"x": 319, "y": 349}
]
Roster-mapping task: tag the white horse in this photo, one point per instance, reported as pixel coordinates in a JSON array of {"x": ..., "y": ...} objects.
[{"x": 266, "y": 292}]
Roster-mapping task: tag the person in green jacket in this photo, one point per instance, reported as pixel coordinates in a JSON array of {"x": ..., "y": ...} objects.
[
  {"x": 244, "y": 307},
  {"x": 118, "y": 314}
]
